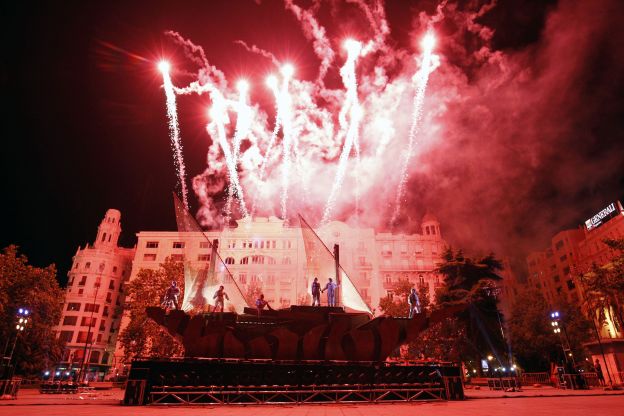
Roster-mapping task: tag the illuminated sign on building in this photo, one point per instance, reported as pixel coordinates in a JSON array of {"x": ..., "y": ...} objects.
[{"x": 603, "y": 216}]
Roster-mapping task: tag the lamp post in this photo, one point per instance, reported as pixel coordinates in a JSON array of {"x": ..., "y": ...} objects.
[
  {"x": 22, "y": 318},
  {"x": 557, "y": 324}
]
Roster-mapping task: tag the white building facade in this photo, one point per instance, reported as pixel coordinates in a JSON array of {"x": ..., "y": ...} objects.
[{"x": 93, "y": 302}]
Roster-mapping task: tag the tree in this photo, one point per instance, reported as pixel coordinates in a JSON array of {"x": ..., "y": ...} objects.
[
  {"x": 477, "y": 331},
  {"x": 142, "y": 336},
  {"x": 34, "y": 288},
  {"x": 534, "y": 343},
  {"x": 604, "y": 288},
  {"x": 396, "y": 305}
]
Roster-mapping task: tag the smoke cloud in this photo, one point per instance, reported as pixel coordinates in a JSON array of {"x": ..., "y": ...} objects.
[{"x": 513, "y": 142}]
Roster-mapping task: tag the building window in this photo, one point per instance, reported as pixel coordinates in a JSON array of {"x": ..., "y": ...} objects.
[
  {"x": 270, "y": 260},
  {"x": 388, "y": 278},
  {"x": 204, "y": 244},
  {"x": 273, "y": 244},
  {"x": 114, "y": 269},
  {"x": 570, "y": 284},
  {"x": 254, "y": 278},
  {"x": 151, "y": 244},
  {"x": 88, "y": 265},
  {"x": 244, "y": 260},
  {"x": 362, "y": 261},
  {"x": 102, "y": 325},
  {"x": 232, "y": 244},
  {"x": 229, "y": 260},
  {"x": 76, "y": 265},
  {"x": 177, "y": 257},
  {"x": 86, "y": 321},
  {"x": 286, "y": 260},
  {"x": 105, "y": 311},
  {"x": 92, "y": 307},
  {"x": 109, "y": 297},
  {"x": 242, "y": 278},
  {"x": 111, "y": 285},
  {"x": 83, "y": 281},
  {"x": 70, "y": 320},
  {"x": 203, "y": 257},
  {"x": 178, "y": 244},
  {"x": 95, "y": 357},
  {"x": 256, "y": 244},
  {"x": 271, "y": 279},
  {"x": 73, "y": 307},
  {"x": 83, "y": 337},
  {"x": 149, "y": 257},
  {"x": 66, "y": 336}
]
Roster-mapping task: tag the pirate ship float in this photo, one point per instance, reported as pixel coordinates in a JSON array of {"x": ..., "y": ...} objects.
[{"x": 299, "y": 354}]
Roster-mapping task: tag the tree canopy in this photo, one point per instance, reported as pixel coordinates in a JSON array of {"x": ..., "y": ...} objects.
[
  {"x": 604, "y": 288},
  {"x": 34, "y": 288},
  {"x": 142, "y": 336},
  {"x": 534, "y": 343}
]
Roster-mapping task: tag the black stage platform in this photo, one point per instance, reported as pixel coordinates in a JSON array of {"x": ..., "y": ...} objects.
[{"x": 236, "y": 381}]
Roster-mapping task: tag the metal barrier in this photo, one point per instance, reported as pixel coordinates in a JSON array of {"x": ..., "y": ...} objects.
[
  {"x": 535, "y": 378},
  {"x": 503, "y": 383},
  {"x": 10, "y": 387}
]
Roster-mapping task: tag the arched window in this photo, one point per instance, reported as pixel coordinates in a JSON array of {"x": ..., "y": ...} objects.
[
  {"x": 229, "y": 260},
  {"x": 271, "y": 260},
  {"x": 286, "y": 260},
  {"x": 103, "y": 237},
  {"x": 245, "y": 260}
]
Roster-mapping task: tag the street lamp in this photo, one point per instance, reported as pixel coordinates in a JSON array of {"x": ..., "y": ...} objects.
[
  {"x": 22, "y": 318},
  {"x": 557, "y": 324}
]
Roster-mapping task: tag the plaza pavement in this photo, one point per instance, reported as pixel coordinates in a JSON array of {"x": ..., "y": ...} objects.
[{"x": 529, "y": 402}]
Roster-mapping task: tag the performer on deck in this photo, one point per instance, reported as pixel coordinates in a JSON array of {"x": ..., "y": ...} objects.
[
  {"x": 316, "y": 292},
  {"x": 219, "y": 295},
  {"x": 414, "y": 303},
  {"x": 171, "y": 297},
  {"x": 330, "y": 287},
  {"x": 261, "y": 303}
]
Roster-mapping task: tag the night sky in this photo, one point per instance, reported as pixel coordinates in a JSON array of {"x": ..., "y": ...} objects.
[{"x": 84, "y": 125}]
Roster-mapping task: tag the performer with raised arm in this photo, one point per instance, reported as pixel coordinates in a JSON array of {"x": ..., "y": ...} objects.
[
  {"x": 170, "y": 300},
  {"x": 316, "y": 292},
  {"x": 330, "y": 287},
  {"x": 414, "y": 303},
  {"x": 219, "y": 296},
  {"x": 261, "y": 303}
]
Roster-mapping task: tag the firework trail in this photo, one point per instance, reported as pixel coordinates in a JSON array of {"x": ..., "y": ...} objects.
[
  {"x": 272, "y": 84},
  {"x": 243, "y": 123},
  {"x": 317, "y": 34},
  {"x": 351, "y": 107},
  {"x": 286, "y": 116},
  {"x": 174, "y": 130},
  {"x": 218, "y": 113},
  {"x": 421, "y": 78}
]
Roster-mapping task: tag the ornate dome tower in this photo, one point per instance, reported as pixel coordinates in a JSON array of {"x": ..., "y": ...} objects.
[
  {"x": 109, "y": 230},
  {"x": 430, "y": 225}
]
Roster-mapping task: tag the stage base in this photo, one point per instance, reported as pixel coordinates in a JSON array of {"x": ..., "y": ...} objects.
[{"x": 215, "y": 381}]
